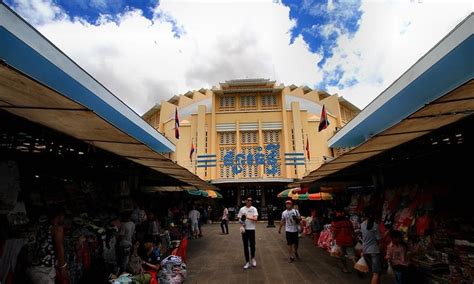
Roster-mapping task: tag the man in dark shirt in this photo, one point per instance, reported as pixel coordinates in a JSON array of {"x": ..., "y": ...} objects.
[{"x": 151, "y": 259}]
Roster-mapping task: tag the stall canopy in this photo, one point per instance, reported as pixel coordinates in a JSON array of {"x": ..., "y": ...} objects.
[
  {"x": 437, "y": 91},
  {"x": 40, "y": 83}
]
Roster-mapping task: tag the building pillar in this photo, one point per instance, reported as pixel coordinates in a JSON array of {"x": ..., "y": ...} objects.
[
  {"x": 298, "y": 133},
  {"x": 237, "y": 141},
  {"x": 285, "y": 144},
  {"x": 201, "y": 137},
  {"x": 213, "y": 138},
  {"x": 261, "y": 168}
]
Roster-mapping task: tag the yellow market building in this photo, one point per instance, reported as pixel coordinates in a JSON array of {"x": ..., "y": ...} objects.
[{"x": 251, "y": 136}]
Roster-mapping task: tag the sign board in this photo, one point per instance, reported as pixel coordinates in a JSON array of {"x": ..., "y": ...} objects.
[{"x": 269, "y": 159}]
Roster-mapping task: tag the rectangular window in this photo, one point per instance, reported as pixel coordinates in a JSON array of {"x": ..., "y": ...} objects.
[
  {"x": 249, "y": 141},
  {"x": 248, "y": 102},
  {"x": 227, "y": 142},
  {"x": 269, "y": 102},
  {"x": 227, "y": 103},
  {"x": 272, "y": 137}
]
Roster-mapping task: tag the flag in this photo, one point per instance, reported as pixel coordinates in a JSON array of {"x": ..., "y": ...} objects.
[
  {"x": 307, "y": 148},
  {"x": 176, "y": 124},
  {"x": 192, "y": 151},
  {"x": 324, "y": 121}
]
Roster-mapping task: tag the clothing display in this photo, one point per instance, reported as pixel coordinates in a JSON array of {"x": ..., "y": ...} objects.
[
  {"x": 325, "y": 238},
  {"x": 173, "y": 270},
  {"x": 440, "y": 247}
]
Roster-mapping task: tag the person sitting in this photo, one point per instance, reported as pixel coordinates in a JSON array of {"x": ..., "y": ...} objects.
[{"x": 150, "y": 256}]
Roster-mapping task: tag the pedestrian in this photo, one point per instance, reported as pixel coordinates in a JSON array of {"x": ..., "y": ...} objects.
[
  {"x": 194, "y": 217},
  {"x": 248, "y": 216},
  {"x": 225, "y": 221},
  {"x": 125, "y": 237},
  {"x": 397, "y": 256},
  {"x": 49, "y": 264},
  {"x": 153, "y": 227},
  {"x": 317, "y": 224},
  {"x": 343, "y": 234},
  {"x": 209, "y": 214},
  {"x": 291, "y": 219},
  {"x": 370, "y": 245}
]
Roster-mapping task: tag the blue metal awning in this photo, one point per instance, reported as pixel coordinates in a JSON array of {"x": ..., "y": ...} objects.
[
  {"x": 435, "y": 92},
  {"x": 25, "y": 49},
  {"x": 40, "y": 83},
  {"x": 445, "y": 67}
]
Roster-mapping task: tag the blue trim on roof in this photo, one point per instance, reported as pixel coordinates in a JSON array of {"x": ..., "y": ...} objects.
[
  {"x": 294, "y": 154},
  {"x": 206, "y": 161},
  {"x": 294, "y": 159},
  {"x": 206, "y": 156},
  {"x": 450, "y": 72},
  {"x": 294, "y": 164},
  {"x": 25, "y": 59},
  {"x": 206, "y": 166}
]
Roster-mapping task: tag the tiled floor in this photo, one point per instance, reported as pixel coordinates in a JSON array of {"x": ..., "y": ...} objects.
[{"x": 218, "y": 258}]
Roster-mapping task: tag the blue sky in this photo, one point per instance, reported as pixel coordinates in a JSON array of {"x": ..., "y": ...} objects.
[
  {"x": 92, "y": 9},
  {"x": 146, "y": 51}
]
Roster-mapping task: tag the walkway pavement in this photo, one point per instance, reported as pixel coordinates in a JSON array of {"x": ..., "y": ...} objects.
[{"x": 218, "y": 258}]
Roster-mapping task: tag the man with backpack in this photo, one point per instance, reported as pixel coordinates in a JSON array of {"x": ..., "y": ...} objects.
[{"x": 291, "y": 219}]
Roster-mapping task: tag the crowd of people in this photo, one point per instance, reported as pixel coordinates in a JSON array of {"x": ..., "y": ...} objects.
[
  {"x": 138, "y": 240},
  {"x": 355, "y": 242},
  {"x": 134, "y": 242}
]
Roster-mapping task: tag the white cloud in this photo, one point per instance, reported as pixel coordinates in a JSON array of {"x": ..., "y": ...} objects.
[
  {"x": 38, "y": 12},
  {"x": 392, "y": 36},
  {"x": 187, "y": 46},
  {"x": 193, "y": 44}
]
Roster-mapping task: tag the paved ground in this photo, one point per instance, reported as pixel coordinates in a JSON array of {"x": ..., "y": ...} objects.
[{"x": 217, "y": 258}]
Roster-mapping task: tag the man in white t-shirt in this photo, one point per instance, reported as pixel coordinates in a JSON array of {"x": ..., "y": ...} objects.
[
  {"x": 248, "y": 216},
  {"x": 194, "y": 216},
  {"x": 291, "y": 218}
]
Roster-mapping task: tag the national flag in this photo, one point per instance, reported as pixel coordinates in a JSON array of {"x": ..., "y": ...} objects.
[
  {"x": 176, "y": 124},
  {"x": 192, "y": 151},
  {"x": 307, "y": 148},
  {"x": 324, "y": 121}
]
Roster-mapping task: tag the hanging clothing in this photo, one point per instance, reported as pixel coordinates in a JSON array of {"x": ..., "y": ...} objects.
[{"x": 44, "y": 253}]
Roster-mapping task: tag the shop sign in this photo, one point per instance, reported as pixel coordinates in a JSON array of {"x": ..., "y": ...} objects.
[{"x": 269, "y": 159}]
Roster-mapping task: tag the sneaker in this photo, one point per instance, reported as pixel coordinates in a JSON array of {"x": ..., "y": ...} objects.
[
  {"x": 254, "y": 262},
  {"x": 291, "y": 260},
  {"x": 246, "y": 266}
]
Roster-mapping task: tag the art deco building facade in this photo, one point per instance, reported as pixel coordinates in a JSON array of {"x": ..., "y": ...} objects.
[{"x": 251, "y": 136}]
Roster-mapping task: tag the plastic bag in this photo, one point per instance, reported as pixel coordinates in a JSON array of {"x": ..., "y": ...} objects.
[
  {"x": 358, "y": 247},
  {"x": 336, "y": 251},
  {"x": 390, "y": 270},
  {"x": 361, "y": 265}
]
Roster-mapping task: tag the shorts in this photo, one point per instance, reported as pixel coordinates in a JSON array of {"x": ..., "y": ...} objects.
[
  {"x": 292, "y": 238},
  {"x": 348, "y": 252},
  {"x": 374, "y": 261},
  {"x": 194, "y": 226}
]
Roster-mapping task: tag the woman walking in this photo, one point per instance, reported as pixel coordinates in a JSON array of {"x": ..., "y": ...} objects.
[{"x": 370, "y": 245}]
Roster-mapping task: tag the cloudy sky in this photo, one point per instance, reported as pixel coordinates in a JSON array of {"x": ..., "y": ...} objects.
[{"x": 146, "y": 51}]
